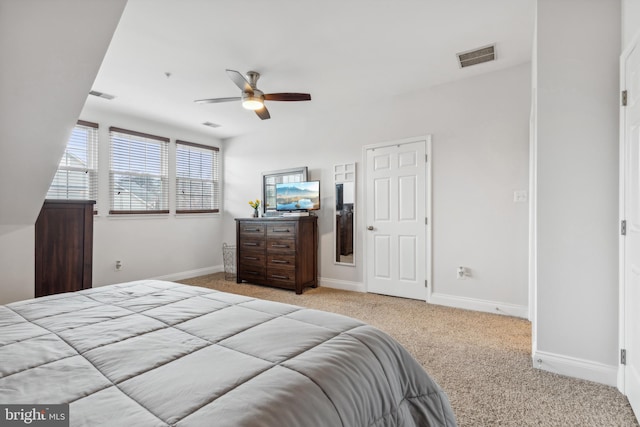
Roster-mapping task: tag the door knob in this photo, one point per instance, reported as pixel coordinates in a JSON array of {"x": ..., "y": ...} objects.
[{"x": 370, "y": 227}]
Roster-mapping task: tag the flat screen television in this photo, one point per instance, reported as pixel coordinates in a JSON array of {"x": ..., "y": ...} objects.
[{"x": 298, "y": 196}]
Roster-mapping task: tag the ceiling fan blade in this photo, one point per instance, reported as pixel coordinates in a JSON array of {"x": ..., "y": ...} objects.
[
  {"x": 287, "y": 97},
  {"x": 239, "y": 80},
  {"x": 216, "y": 100},
  {"x": 263, "y": 113}
]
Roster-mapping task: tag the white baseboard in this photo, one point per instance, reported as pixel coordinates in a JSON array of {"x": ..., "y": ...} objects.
[
  {"x": 329, "y": 283},
  {"x": 480, "y": 305},
  {"x": 191, "y": 273},
  {"x": 345, "y": 285},
  {"x": 577, "y": 368}
]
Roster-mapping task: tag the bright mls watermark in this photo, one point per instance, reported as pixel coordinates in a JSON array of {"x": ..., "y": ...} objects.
[{"x": 35, "y": 415}]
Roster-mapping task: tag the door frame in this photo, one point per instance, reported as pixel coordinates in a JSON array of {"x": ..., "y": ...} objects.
[
  {"x": 427, "y": 207},
  {"x": 622, "y": 285}
]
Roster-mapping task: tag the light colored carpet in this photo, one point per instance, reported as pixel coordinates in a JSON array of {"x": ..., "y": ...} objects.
[{"x": 481, "y": 360}]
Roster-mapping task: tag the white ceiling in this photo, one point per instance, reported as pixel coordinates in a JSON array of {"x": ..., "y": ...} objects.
[{"x": 340, "y": 51}]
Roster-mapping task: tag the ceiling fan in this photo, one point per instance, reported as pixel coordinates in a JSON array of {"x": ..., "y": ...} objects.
[{"x": 252, "y": 97}]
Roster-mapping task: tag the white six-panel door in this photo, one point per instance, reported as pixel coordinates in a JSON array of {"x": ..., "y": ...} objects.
[
  {"x": 395, "y": 239},
  {"x": 630, "y": 290}
]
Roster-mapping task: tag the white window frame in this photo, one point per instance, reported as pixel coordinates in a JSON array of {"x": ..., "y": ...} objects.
[
  {"x": 64, "y": 171},
  {"x": 139, "y": 138},
  {"x": 192, "y": 178}
]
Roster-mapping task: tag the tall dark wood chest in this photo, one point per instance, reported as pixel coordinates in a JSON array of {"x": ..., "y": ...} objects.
[{"x": 64, "y": 246}]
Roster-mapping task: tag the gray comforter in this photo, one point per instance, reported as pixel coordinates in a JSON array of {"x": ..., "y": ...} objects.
[{"x": 153, "y": 353}]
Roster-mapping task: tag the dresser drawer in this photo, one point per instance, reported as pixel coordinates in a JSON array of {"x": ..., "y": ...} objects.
[
  {"x": 281, "y": 229},
  {"x": 282, "y": 276},
  {"x": 248, "y": 257},
  {"x": 252, "y": 243},
  {"x": 249, "y": 272},
  {"x": 252, "y": 229},
  {"x": 281, "y": 261},
  {"x": 281, "y": 245}
]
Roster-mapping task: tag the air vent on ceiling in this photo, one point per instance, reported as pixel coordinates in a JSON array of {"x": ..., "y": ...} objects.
[
  {"x": 101, "y": 95},
  {"x": 477, "y": 56},
  {"x": 211, "y": 125}
]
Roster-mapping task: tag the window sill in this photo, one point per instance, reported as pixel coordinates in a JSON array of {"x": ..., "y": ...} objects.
[
  {"x": 136, "y": 216},
  {"x": 198, "y": 215}
]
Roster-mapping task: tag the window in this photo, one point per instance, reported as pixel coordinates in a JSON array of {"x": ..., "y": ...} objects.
[
  {"x": 197, "y": 178},
  {"x": 77, "y": 174},
  {"x": 139, "y": 176}
]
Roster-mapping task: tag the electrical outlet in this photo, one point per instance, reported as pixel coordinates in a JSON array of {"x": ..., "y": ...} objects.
[
  {"x": 461, "y": 272},
  {"x": 119, "y": 265}
]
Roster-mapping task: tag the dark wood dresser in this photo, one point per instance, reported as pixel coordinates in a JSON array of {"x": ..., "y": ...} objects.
[
  {"x": 64, "y": 246},
  {"x": 280, "y": 252}
]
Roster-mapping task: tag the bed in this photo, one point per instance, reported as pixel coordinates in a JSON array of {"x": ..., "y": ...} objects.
[{"x": 156, "y": 353}]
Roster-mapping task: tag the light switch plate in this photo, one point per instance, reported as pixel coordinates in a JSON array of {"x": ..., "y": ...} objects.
[{"x": 520, "y": 196}]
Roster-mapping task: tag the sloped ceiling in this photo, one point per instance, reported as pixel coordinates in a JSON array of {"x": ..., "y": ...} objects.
[
  {"x": 50, "y": 53},
  {"x": 341, "y": 51}
]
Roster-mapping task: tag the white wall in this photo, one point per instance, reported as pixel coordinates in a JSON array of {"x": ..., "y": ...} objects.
[
  {"x": 169, "y": 246},
  {"x": 630, "y": 20},
  {"x": 577, "y": 180},
  {"x": 17, "y": 264},
  {"x": 480, "y": 156},
  {"x": 50, "y": 53}
]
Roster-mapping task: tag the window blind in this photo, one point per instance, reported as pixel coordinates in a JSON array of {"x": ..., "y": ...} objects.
[
  {"x": 138, "y": 175},
  {"x": 77, "y": 174},
  {"x": 197, "y": 178}
]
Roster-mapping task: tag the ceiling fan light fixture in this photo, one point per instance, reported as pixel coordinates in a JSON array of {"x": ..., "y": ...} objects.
[
  {"x": 253, "y": 98},
  {"x": 252, "y": 103}
]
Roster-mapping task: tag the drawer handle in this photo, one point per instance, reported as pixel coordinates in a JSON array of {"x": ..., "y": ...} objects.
[
  {"x": 281, "y": 230},
  {"x": 279, "y": 261},
  {"x": 279, "y": 246},
  {"x": 250, "y": 244},
  {"x": 255, "y": 273},
  {"x": 252, "y": 229},
  {"x": 252, "y": 258},
  {"x": 275, "y": 276}
]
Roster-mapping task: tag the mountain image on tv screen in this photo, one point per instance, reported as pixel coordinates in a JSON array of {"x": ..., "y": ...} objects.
[{"x": 298, "y": 196}]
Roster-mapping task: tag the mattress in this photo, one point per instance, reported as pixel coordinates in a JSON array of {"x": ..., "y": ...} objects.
[{"x": 156, "y": 353}]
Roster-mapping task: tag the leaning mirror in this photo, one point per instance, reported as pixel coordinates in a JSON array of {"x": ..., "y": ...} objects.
[
  {"x": 344, "y": 178},
  {"x": 269, "y": 181}
]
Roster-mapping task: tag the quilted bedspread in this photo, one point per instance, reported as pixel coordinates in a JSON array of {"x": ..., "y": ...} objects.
[{"x": 154, "y": 353}]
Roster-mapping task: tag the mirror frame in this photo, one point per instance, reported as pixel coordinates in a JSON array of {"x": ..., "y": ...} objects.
[
  {"x": 342, "y": 174},
  {"x": 292, "y": 172}
]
